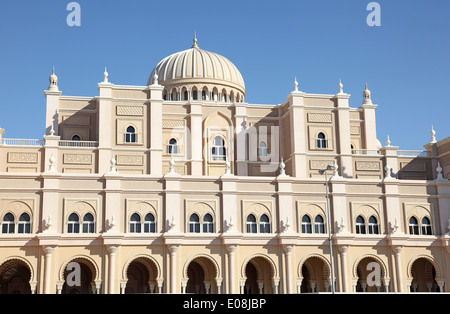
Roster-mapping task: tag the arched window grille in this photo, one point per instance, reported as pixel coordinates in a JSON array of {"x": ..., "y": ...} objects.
[
  {"x": 208, "y": 224},
  {"x": 73, "y": 225},
  {"x": 135, "y": 223},
  {"x": 360, "y": 225},
  {"x": 251, "y": 224},
  {"x": 88, "y": 224},
  {"x": 8, "y": 225},
  {"x": 131, "y": 136},
  {"x": 306, "y": 224},
  {"x": 194, "y": 224},
  {"x": 321, "y": 140},
  {"x": 319, "y": 225},
  {"x": 24, "y": 223},
  {"x": 149, "y": 224},
  {"x": 264, "y": 224}
]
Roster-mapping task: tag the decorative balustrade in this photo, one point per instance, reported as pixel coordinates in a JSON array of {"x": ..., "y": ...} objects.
[
  {"x": 78, "y": 144},
  {"x": 22, "y": 142}
]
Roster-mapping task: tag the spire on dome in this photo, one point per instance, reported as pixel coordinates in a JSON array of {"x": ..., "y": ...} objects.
[
  {"x": 53, "y": 79},
  {"x": 341, "y": 87},
  {"x": 105, "y": 76},
  {"x": 367, "y": 96},
  {"x": 433, "y": 135},
  {"x": 195, "y": 40}
]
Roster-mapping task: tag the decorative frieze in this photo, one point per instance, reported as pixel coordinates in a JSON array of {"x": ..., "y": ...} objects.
[
  {"x": 172, "y": 124},
  {"x": 130, "y": 111},
  {"x": 23, "y": 158},
  {"x": 130, "y": 160},
  {"x": 368, "y": 165},
  {"x": 319, "y": 118},
  {"x": 355, "y": 130},
  {"x": 77, "y": 159},
  {"x": 319, "y": 164}
]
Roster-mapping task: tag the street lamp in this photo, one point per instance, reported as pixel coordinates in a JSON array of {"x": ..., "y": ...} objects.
[{"x": 324, "y": 171}]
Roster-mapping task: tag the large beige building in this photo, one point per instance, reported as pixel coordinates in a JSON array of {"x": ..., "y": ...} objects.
[{"x": 180, "y": 186}]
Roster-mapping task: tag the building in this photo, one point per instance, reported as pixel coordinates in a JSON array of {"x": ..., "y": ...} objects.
[{"x": 180, "y": 186}]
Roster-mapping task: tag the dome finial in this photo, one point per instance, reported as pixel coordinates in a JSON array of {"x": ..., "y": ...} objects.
[
  {"x": 53, "y": 79},
  {"x": 195, "y": 40},
  {"x": 367, "y": 96}
]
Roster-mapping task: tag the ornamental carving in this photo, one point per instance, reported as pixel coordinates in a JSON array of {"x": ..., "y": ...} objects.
[
  {"x": 368, "y": 165},
  {"x": 77, "y": 159},
  {"x": 25, "y": 158},
  {"x": 130, "y": 160},
  {"x": 172, "y": 124},
  {"x": 130, "y": 111},
  {"x": 319, "y": 164},
  {"x": 319, "y": 117}
]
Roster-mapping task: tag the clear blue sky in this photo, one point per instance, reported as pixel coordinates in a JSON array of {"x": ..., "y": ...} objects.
[{"x": 406, "y": 61}]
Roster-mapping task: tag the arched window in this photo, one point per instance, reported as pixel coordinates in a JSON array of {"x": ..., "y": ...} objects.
[
  {"x": 149, "y": 224},
  {"x": 186, "y": 95},
  {"x": 218, "y": 151},
  {"x": 194, "y": 224},
  {"x": 88, "y": 224},
  {"x": 130, "y": 136},
  {"x": 73, "y": 225},
  {"x": 203, "y": 95},
  {"x": 208, "y": 225},
  {"x": 306, "y": 224},
  {"x": 321, "y": 141},
  {"x": 264, "y": 225},
  {"x": 172, "y": 149},
  {"x": 251, "y": 224},
  {"x": 76, "y": 138},
  {"x": 426, "y": 226},
  {"x": 8, "y": 224},
  {"x": 135, "y": 224},
  {"x": 319, "y": 226},
  {"x": 373, "y": 225},
  {"x": 360, "y": 225},
  {"x": 413, "y": 226},
  {"x": 195, "y": 95},
  {"x": 262, "y": 149},
  {"x": 24, "y": 223}
]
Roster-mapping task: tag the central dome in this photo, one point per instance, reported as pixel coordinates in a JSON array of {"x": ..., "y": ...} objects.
[{"x": 196, "y": 68}]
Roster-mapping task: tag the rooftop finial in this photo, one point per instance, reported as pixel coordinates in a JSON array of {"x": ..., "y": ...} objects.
[
  {"x": 433, "y": 135},
  {"x": 195, "y": 40},
  {"x": 53, "y": 79},
  {"x": 367, "y": 96},
  {"x": 341, "y": 87}
]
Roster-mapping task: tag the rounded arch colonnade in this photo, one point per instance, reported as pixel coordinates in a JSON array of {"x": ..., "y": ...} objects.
[{"x": 204, "y": 274}]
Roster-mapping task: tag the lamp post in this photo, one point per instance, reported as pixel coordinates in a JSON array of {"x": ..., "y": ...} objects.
[{"x": 324, "y": 171}]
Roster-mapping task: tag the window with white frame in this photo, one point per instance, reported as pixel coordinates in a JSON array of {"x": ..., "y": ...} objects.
[
  {"x": 413, "y": 226},
  {"x": 8, "y": 225},
  {"x": 373, "y": 225},
  {"x": 321, "y": 141},
  {"x": 88, "y": 223},
  {"x": 73, "y": 225},
  {"x": 218, "y": 151},
  {"x": 262, "y": 149},
  {"x": 24, "y": 223},
  {"x": 306, "y": 224},
  {"x": 130, "y": 135},
  {"x": 319, "y": 225},
  {"x": 208, "y": 224},
  {"x": 149, "y": 224},
  {"x": 194, "y": 224},
  {"x": 135, "y": 223},
  {"x": 172, "y": 148},
  {"x": 360, "y": 225},
  {"x": 264, "y": 224},
  {"x": 426, "y": 226},
  {"x": 251, "y": 224}
]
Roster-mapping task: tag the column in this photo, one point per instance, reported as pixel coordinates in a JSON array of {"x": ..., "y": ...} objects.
[
  {"x": 195, "y": 139},
  {"x": 231, "y": 275},
  {"x": 343, "y": 254},
  {"x": 173, "y": 268},
  {"x": 105, "y": 126},
  {"x": 155, "y": 129},
  {"x": 344, "y": 143},
  {"x": 398, "y": 268},
  {"x": 112, "y": 267},
  {"x": 48, "y": 251},
  {"x": 298, "y": 142},
  {"x": 288, "y": 251}
]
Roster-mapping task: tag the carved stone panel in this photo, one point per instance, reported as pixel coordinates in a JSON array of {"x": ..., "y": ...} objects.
[
  {"x": 368, "y": 166},
  {"x": 77, "y": 159},
  {"x": 23, "y": 158}
]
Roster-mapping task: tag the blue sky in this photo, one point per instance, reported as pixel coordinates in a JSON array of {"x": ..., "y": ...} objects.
[{"x": 406, "y": 61}]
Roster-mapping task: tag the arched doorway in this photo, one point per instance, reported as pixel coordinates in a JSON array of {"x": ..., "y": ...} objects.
[
  {"x": 370, "y": 275},
  {"x": 259, "y": 275},
  {"x": 15, "y": 278},
  {"x": 423, "y": 276},
  {"x": 201, "y": 276},
  {"x": 79, "y": 279},
  {"x": 316, "y": 275},
  {"x": 141, "y": 274}
]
